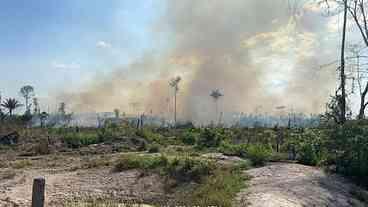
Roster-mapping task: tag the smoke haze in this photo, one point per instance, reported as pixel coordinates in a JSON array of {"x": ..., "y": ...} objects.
[{"x": 258, "y": 53}]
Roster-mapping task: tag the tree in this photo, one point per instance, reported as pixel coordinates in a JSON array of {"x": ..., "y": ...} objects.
[
  {"x": 117, "y": 113},
  {"x": 216, "y": 95},
  {"x": 36, "y": 106},
  {"x": 43, "y": 118},
  {"x": 27, "y": 92},
  {"x": 62, "y": 108},
  {"x": 11, "y": 104},
  {"x": 357, "y": 10},
  {"x": 174, "y": 83},
  {"x": 342, "y": 87},
  {"x": 342, "y": 67}
]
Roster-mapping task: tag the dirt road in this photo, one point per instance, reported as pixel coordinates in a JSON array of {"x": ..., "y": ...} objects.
[{"x": 294, "y": 185}]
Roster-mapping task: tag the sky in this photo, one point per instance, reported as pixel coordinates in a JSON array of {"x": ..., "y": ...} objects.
[
  {"x": 61, "y": 44},
  {"x": 100, "y": 55}
]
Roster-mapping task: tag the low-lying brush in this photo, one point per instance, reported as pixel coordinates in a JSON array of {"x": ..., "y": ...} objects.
[
  {"x": 76, "y": 140},
  {"x": 218, "y": 189},
  {"x": 258, "y": 154},
  {"x": 21, "y": 164},
  {"x": 182, "y": 169}
]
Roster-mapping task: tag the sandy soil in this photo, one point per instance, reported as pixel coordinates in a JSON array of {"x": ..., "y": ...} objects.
[
  {"x": 81, "y": 184},
  {"x": 294, "y": 185}
]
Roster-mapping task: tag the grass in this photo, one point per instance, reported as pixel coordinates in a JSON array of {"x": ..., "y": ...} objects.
[
  {"x": 209, "y": 184},
  {"x": 76, "y": 140},
  {"x": 136, "y": 161},
  {"x": 181, "y": 168},
  {"x": 21, "y": 164},
  {"x": 218, "y": 189},
  {"x": 96, "y": 162}
]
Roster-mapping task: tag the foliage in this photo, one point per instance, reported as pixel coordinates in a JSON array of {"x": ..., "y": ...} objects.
[
  {"x": 210, "y": 138},
  {"x": 233, "y": 149},
  {"x": 79, "y": 139},
  {"x": 188, "y": 169},
  {"x": 154, "y": 137},
  {"x": 189, "y": 137},
  {"x": 311, "y": 147},
  {"x": 154, "y": 148},
  {"x": 349, "y": 147},
  {"x": 182, "y": 169},
  {"x": 218, "y": 189},
  {"x": 11, "y": 104},
  {"x": 258, "y": 153},
  {"x": 136, "y": 161}
]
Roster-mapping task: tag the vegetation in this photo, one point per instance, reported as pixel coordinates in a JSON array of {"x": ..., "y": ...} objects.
[{"x": 11, "y": 104}]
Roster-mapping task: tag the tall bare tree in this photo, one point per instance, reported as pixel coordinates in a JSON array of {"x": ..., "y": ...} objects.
[
  {"x": 36, "y": 106},
  {"x": 342, "y": 101},
  {"x": 358, "y": 12},
  {"x": 341, "y": 94},
  {"x": 174, "y": 83},
  {"x": 27, "y": 92}
]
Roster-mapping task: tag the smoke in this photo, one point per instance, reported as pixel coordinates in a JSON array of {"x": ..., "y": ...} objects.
[{"x": 256, "y": 52}]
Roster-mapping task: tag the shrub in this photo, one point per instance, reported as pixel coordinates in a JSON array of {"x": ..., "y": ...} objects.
[
  {"x": 232, "y": 149},
  {"x": 189, "y": 137},
  {"x": 307, "y": 155},
  {"x": 258, "y": 154},
  {"x": 154, "y": 148},
  {"x": 218, "y": 189},
  {"x": 134, "y": 161},
  {"x": 187, "y": 169},
  {"x": 311, "y": 147},
  {"x": 181, "y": 169},
  {"x": 209, "y": 138},
  {"x": 76, "y": 140},
  {"x": 349, "y": 146}
]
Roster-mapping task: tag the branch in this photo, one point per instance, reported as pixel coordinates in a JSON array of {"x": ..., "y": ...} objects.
[{"x": 355, "y": 17}]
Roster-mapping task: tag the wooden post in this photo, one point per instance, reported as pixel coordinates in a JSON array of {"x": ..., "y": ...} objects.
[{"x": 38, "y": 192}]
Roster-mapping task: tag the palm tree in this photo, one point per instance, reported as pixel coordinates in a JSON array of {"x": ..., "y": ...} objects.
[
  {"x": 11, "y": 104},
  {"x": 216, "y": 95},
  {"x": 174, "y": 83}
]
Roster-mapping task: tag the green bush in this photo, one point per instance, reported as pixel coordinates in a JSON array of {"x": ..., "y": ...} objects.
[
  {"x": 311, "y": 147},
  {"x": 218, "y": 189},
  {"x": 134, "y": 161},
  {"x": 349, "y": 147},
  {"x": 258, "y": 154},
  {"x": 210, "y": 138},
  {"x": 154, "y": 148},
  {"x": 232, "y": 149},
  {"x": 189, "y": 137},
  {"x": 188, "y": 169},
  {"x": 307, "y": 155},
  {"x": 76, "y": 140},
  {"x": 181, "y": 169}
]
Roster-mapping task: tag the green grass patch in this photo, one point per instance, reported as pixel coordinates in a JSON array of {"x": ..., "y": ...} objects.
[
  {"x": 76, "y": 140},
  {"x": 218, "y": 189}
]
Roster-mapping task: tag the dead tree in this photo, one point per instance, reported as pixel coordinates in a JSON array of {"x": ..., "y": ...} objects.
[{"x": 357, "y": 10}]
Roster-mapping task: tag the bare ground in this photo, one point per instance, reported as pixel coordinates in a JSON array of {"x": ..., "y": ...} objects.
[
  {"x": 63, "y": 185},
  {"x": 295, "y": 185}
]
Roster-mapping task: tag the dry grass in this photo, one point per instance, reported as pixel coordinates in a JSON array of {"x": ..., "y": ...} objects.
[{"x": 20, "y": 164}]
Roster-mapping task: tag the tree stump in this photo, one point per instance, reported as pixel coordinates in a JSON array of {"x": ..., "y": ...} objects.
[{"x": 38, "y": 192}]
